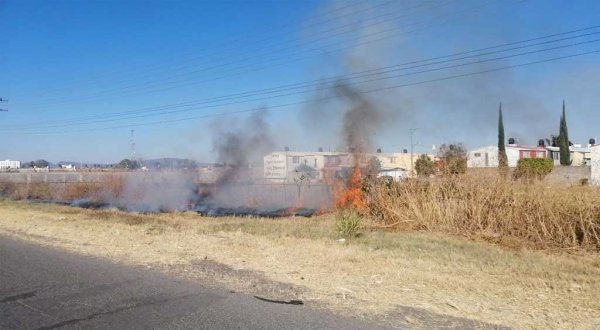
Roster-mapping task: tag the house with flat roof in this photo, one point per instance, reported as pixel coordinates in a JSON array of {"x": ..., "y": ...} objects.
[{"x": 488, "y": 156}]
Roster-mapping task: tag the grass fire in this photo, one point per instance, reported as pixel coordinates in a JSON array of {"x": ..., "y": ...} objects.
[{"x": 300, "y": 164}]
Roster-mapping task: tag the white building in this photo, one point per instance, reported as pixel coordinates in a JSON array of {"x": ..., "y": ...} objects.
[
  {"x": 488, "y": 156},
  {"x": 595, "y": 164},
  {"x": 580, "y": 156},
  {"x": 9, "y": 164},
  {"x": 287, "y": 166},
  {"x": 484, "y": 157},
  {"x": 397, "y": 160},
  {"x": 397, "y": 174},
  {"x": 290, "y": 165}
]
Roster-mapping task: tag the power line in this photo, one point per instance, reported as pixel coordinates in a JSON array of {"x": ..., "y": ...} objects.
[
  {"x": 268, "y": 63},
  {"x": 319, "y": 81},
  {"x": 3, "y": 100},
  {"x": 327, "y": 98},
  {"x": 230, "y": 44},
  {"x": 367, "y": 73}
]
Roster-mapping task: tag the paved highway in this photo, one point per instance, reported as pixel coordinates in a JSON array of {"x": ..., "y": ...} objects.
[{"x": 45, "y": 288}]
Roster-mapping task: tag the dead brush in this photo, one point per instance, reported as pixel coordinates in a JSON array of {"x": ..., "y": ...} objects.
[
  {"x": 109, "y": 187},
  {"x": 482, "y": 206}
]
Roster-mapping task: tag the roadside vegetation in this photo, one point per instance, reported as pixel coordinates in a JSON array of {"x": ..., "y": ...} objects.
[
  {"x": 487, "y": 207},
  {"x": 395, "y": 252},
  {"x": 376, "y": 274}
]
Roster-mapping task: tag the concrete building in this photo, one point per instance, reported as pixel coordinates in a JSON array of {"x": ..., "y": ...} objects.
[
  {"x": 488, "y": 156},
  {"x": 286, "y": 166},
  {"x": 483, "y": 157},
  {"x": 397, "y": 160},
  {"x": 9, "y": 164},
  {"x": 595, "y": 164},
  {"x": 580, "y": 156}
]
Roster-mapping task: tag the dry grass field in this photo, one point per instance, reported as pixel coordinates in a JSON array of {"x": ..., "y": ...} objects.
[
  {"x": 379, "y": 275},
  {"x": 483, "y": 206}
]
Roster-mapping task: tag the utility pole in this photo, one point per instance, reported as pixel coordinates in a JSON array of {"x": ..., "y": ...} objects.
[
  {"x": 412, "y": 146},
  {"x": 132, "y": 143}
]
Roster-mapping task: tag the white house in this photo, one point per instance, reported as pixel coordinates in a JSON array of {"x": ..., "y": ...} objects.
[
  {"x": 286, "y": 166},
  {"x": 595, "y": 164},
  {"x": 9, "y": 164},
  {"x": 488, "y": 156},
  {"x": 580, "y": 156},
  {"x": 483, "y": 157},
  {"x": 289, "y": 165}
]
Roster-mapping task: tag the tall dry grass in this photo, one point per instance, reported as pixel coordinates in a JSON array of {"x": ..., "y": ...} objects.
[
  {"x": 109, "y": 188},
  {"x": 484, "y": 206}
]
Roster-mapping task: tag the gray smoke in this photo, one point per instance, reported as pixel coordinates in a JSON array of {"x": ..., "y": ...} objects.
[
  {"x": 244, "y": 143},
  {"x": 361, "y": 119},
  {"x": 463, "y": 109}
]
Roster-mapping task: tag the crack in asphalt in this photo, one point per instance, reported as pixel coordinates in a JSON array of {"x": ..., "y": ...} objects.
[
  {"x": 150, "y": 302},
  {"x": 20, "y": 296}
]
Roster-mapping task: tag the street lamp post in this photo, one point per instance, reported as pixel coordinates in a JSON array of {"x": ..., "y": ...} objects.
[{"x": 412, "y": 146}]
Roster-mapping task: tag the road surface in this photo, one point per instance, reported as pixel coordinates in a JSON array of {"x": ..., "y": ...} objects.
[{"x": 45, "y": 288}]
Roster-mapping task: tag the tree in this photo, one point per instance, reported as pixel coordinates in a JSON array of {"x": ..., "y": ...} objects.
[
  {"x": 128, "y": 164},
  {"x": 424, "y": 166},
  {"x": 454, "y": 158},
  {"x": 41, "y": 163},
  {"x": 563, "y": 140},
  {"x": 502, "y": 158},
  {"x": 552, "y": 141}
]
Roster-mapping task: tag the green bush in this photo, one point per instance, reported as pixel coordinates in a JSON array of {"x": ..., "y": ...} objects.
[
  {"x": 348, "y": 223},
  {"x": 424, "y": 166},
  {"x": 533, "y": 168}
]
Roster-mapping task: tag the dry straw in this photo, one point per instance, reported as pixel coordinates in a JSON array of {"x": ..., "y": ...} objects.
[{"x": 484, "y": 206}]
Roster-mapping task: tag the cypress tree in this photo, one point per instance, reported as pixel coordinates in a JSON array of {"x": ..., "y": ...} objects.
[
  {"x": 502, "y": 158},
  {"x": 563, "y": 140}
]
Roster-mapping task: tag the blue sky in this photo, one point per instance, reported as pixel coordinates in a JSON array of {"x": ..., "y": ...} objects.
[{"x": 68, "y": 66}]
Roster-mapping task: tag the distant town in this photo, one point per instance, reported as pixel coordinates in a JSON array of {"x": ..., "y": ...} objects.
[{"x": 289, "y": 165}]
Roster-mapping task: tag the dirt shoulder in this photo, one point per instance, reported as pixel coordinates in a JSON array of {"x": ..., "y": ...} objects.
[{"x": 410, "y": 280}]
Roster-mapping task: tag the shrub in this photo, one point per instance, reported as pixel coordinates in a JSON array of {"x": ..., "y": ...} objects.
[
  {"x": 348, "y": 222},
  {"x": 529, "y": 169},
  {"x": 424, "y": 166}
]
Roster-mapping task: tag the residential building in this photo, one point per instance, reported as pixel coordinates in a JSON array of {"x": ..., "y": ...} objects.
[
  {"x": 9, "y": 164},
  {"x": 595, "y": 164},
  {"x": 286, "y": 166},
  {"x": 483, "y": 157},
  {"x": 488, "y": 156},
  {"x": 397, "y": 160},
  {"x": 580, "y": 156},
  {"x": 290, "y": 165}
]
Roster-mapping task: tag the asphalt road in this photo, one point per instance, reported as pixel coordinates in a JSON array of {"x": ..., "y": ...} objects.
[{"x": 44, "y": 288}]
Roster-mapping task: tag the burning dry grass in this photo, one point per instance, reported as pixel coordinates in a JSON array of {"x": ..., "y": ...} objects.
[
  {"x": 375, "y": 274},
  {"x": 487, "y": 207}
]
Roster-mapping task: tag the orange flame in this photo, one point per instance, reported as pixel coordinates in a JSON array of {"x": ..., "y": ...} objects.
[{"x": 352, "y": 195}]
